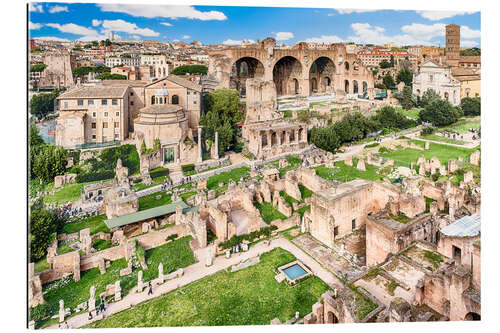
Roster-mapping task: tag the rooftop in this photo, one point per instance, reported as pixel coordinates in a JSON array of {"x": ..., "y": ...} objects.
[
  {"x": 467, "y": 226},
  {"x": 180, "y": 81},
  {"x": 161, "y": 108},
  {"x": 343, "y": 189},
  {"x": 95, "y": 92},
  {"x": 145, "y": 214}
]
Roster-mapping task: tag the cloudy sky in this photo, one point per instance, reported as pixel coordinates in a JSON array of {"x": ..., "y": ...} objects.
[{"x": 231, "y": 25}]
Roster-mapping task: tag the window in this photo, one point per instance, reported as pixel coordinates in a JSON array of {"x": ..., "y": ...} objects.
[
  {"x": 93, "y": 125},
  {"x": 117, "y": 114},
  {"x": 104, "y": 102},
  {"x": 117, "y": 136},
  {"x": 104, "y": 125},
  {"x": 194, "y": 102},
  {"x": 80, "y": 102},
  {"x": 335, "y": 231},
  {"x": 65, "y": 105},
  {"x": 175, "y": 99},
  {"x": 117, "y": 124},
  {"x": 457, "y": 253},
  {"x": 105, "y": 114},
  {"x": 188, "y": 93},
  {"x": 114, "y": 102},
  {"x": 131, "y": 93},
  {"x": 91, "y": 102},
  {"x": 93, "y": 114},
  {"x": 93, "y": 136},
  {"x": 131, "y": 102},
  {"x": 353, "y": 224}
]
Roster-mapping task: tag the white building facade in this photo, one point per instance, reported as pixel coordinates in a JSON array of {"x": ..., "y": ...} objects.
[{"x": 438, "y": 78}]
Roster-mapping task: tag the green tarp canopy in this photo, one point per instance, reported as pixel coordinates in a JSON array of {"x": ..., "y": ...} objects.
[{"x": 146, "y": 214}]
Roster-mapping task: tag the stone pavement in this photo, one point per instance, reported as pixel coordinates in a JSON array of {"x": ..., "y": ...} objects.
[{"x": 199, "y": 270}]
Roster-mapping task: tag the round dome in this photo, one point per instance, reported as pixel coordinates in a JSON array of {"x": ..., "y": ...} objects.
[{"x": 161, "y": 92}]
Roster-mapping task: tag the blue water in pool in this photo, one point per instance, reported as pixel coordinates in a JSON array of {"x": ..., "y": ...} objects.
[{"x": 294, "y": 272}]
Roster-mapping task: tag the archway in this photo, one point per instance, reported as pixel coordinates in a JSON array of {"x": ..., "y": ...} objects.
[
  {"x": 175, "y": 99},
  {"x": 346, "y": 65},
  {"x": 446, "y": 96},
  {"x": 314, "y": 85},
  {"x": 365, "y": 87},
  {"x": 301, "y": 133},
  {"x": 264, "y": 139},
  {"x": 472, "y": 316},
  {"x": 296, "y": 86},
  {"x": 274, "y": 139},
  {"x": 243, "y": 69},
  {"x": 285, "y": 73},
  {"x": 331, "y": 318},
  {"x": 355, "y": 86},
  {"x": 321, "y": 71},
  {"x": 346, "y": 86}
]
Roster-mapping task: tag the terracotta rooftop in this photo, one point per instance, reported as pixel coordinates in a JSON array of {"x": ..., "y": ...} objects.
[
  {"x": 161, "y": 108},
  {"x": 476, "y": 59},
  {"x": 95, "y": 92},
  {"x": 180, "y": 81}
]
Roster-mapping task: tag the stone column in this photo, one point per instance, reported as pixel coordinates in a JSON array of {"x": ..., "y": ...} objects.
[
  {"x": 278, "y": 134},
  {"x": 161, "y": 277},
  {"x": 269, "y": 142},
  {"x": 92, "y": 299},
  {"x": 200, "y": 155},
  {"x": 216, "y": 146},
  {"x": 140, "y": 285},
  {"x": 118, "y": 291},
  {"x": 287, "y": 137},
  {"x": 61, "y": 311}
]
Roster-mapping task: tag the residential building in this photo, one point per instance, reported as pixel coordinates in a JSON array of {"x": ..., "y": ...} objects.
[{"x": 159, "y": 63}]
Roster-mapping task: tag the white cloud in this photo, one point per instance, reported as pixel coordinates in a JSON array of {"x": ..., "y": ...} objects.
[
  {"x": 35, "y": 26},
  {"x": 56, "y": 39},
  {"x": 72, "y": 28},
  {"x": 96, "y": 23},
  {"x": 324, "y": 40},
  {"x": 58, "y": 9},
  {"x": 186, "y": 37},
  {"x": 424, "y": 31},
  {"x": 130, "y": 28},
  {"x": 176, "y": 40},
  {"x": 33, "y": 7},
  {"x": 89, "y": 38},
  {"x": 172, "y": 12},
  {"x": 468, "y": 43},
  {"x": 467, "y": 32},
  {"x": 166, "y": 24},
  {"x": 350, "y": 11},
  {"x": 237, "y": 42},
  {"x": 435, "y": 15},
  {"x": 284, "y": 35}
]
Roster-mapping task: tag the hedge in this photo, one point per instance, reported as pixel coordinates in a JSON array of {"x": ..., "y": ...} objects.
[{"x": 248, "y": 237}]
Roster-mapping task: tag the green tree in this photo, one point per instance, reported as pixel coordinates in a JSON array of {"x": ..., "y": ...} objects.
[
  {"x": 225, "y": 102},
  {"x": 471, "y": 106},
  {"x": 406, "y": 98},
  {"x": 43, "y": 225},
  {"x": 325, "y": 138},
  {"x": 428, "y": 97},
  {"x": 392, "y": 61},
  {"x": 190, "y": 69},
  {"x": 406, "y": 76},
  {"x": 474, "y": 51},
  {"x": 384, "y": 64},
  {"x": 43, "y": 104},
  {"x": 47, "y": 161},
  {"x": 35, "y": 138},
  {"x": 388, "y": 81},
  {"x": 108, "y": 76},
  {"x": 37, "y": 67},
  {"x": 439, "y": 113}
]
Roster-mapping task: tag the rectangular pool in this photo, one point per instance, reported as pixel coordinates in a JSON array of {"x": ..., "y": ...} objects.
[{"x": 294, "y": 272}]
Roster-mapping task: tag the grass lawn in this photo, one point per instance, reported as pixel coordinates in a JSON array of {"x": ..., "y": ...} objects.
[
  {"x": 302, "y": 210},
  {"x": 268, "y": 212},
  {"x": 173, "y": 255},
  {"x": 305, "y": 192},
  {"x": 223, "y": 177},
  {"x": 413, "y": 113},
  {"x": 435, "y": 137},
  {"x": 66, "y": 248},
  {"x": 294, "y": 161},
  {"x": 442, "y": 152},
  {"x": 250, "y": 296},
  {"x": 101, "y": 244},
  {"x": 70, "y": 192},
  {"x": 95, "y": 223},
  {"x": 345, "y": 173},
  {"x": 41, "y": 265},
  {"x": 185, "y": 196},
  {"x": 150, "y": 201},
  {"x": 289, "y": 200},
  {"x": 158, "y": 176},
  {"x": 463, "y": 126}
]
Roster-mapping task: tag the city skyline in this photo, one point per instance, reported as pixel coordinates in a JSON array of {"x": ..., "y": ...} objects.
[{"x": 229, "y": 25}]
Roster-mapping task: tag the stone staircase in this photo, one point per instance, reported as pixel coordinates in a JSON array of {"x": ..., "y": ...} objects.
[{"x": 175, "y": 172}]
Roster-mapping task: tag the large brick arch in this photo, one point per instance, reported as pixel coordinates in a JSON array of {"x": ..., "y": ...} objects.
[{"x": 242, "y": 69}]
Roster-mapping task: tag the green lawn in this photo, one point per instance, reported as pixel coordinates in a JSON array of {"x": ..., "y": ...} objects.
[
  {"x": 442, "y": 152},
  {"x": 101, "y": 244},
  {"x": 66, "y": 248},
  {"x": 413, "y": 113},
  {"x": 435, "y": 137},
  {"x": 344, "y": 173},
  {"x": 305, "y": 192},
  {"x": 294, "y": 160},
  {"x": 173, "y": 255},
  {"x": 463, "y": 126},
  {"x": 70, "y": 192},
  {"x": 223, "y": 177},
  {"x": 268, "y": 212},
  {"x": 41, "y": 265},
  {"x": 95, "y": 223},
  {"x": 150, "y": 201},
  {"x": 250, "y": 296},
  {"x": 185, "y": 196},
  {"x": 289, "y": 200}
]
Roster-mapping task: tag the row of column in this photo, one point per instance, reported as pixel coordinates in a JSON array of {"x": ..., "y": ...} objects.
[{"x": 296, "y": 138}]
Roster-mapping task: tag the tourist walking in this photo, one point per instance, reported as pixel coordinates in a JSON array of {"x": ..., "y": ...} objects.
[
  {"x": 101, "y": 306},
  {"x": 90, "y": 315},
  {"x": 150, "y": 292}
]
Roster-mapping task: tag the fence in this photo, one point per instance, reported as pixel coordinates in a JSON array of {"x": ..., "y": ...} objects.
[{"x": 93, "y": 145}]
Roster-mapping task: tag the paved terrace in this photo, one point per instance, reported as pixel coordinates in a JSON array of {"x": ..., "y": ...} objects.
[{"x": 199, "y": 271}]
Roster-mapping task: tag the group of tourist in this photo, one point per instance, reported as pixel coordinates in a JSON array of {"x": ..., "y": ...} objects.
[{"x": 101, "y": 309}]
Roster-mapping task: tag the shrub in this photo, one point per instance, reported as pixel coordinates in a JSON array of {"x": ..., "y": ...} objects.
[
  {"x": 371, "y": 145},
  {"x": 93, "y": 177},
  {"x": 384, "y": 150},
  {"x": 428, "y": 130},
  {"x": 187, "y": 167},
  {"x": 471, "y": 106},
  {"x": 41, "y": 311},
  {"x": 172, "y": 237}
]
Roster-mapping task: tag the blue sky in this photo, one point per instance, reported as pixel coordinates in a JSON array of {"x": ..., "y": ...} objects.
[{"x": 230, "y": 25}]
